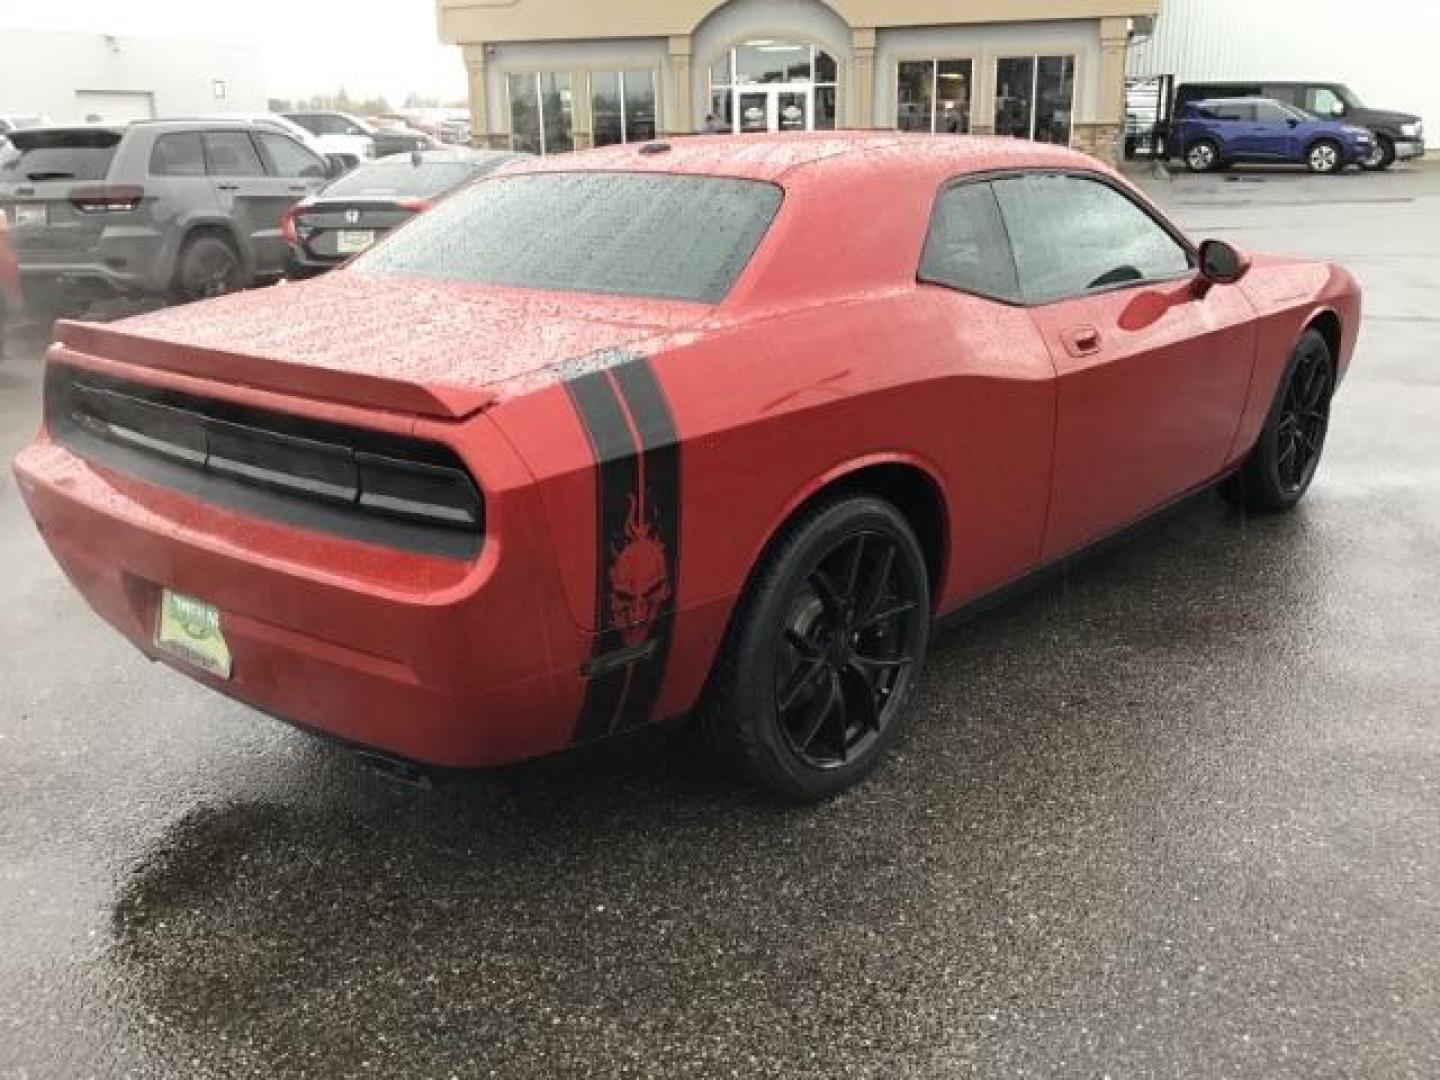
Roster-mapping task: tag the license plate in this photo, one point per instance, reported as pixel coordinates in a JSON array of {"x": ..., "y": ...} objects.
[
  {"x": 189, "y": 630},
  {"x": 349, "y": 241},
  {"x": 29, "y": 214}
]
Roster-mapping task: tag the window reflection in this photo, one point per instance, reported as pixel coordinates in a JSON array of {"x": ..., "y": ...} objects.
[
  {"x": 541, "y": 112},
  {"x": 1034, "y": 97},
  {"x": 933, "y": 96},
  {"x": 622, "y": 106}
]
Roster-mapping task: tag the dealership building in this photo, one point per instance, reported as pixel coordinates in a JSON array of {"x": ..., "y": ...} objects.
[{"x": 554, "y": 75}]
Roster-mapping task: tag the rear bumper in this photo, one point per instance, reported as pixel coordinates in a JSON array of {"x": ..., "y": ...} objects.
[
  {"x": 124, "y": 261},
  {"x": 449, "y": 663}
]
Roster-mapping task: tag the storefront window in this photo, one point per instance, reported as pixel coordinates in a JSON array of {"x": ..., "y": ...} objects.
[
  {"x": 541, "y": 112},
  {"x": 1034, "y": 97},
  {"x": 774, "y": 86},
  {"x": 622, "y": 105},
  {"x": 933, "y": 96}
]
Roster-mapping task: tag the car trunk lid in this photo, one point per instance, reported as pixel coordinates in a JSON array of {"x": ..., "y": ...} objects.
[{"x": 440, "y": 349}]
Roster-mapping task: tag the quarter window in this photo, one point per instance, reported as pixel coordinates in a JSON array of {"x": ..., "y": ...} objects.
[
  {"x": 542, "y": 112},
  {"x": 1073, "y": 235},
  {"x": 288, "y": 158},
  {"x": 231, "y": 153},
  {"x": 966, "y": 248},
  {"x": 178, "y": 154},
  {"x": 622, "y": 106},
  {"x": 933, "y": 96},
  {"x": 1034, "y": 97}
]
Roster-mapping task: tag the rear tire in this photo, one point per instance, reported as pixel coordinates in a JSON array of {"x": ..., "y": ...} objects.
[
  {"x": 1324, "y": 157},
  {"x": 1280, "y": 468},
  {"x": 824, "y": 653},
  {"x": 208, "y": 266},
  {"x": 1202, "y": 156}
]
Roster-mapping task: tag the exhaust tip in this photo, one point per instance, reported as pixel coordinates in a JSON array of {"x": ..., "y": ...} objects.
[{"x": 397, "y": 771}]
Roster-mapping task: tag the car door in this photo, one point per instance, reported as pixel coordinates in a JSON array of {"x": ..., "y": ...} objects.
[
  {"x": 255, "y": 199},
  {"x": 1152, "y": 371},
  {"x": 1274, "y": 132}
]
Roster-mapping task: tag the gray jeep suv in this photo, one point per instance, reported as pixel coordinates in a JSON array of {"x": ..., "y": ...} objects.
[{"x": 175, "y": 208}]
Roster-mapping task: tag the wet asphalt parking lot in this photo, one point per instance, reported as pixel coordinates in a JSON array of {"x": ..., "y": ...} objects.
[{"x": 1175, "y": 815}]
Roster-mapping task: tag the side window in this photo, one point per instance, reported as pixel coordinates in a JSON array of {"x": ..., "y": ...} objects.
[
  {"x": 1268, "y": 113},
  {"x": 289, "y": 158},
  {"x": 231, "y": 153},
  {"x": 1322, "y": 101},
  {"x": 1072, "y": 235},
  {"x": 967, "y": 248},
  {"x": 306, "y": 121},
  {"x": 178, "y": 154}
]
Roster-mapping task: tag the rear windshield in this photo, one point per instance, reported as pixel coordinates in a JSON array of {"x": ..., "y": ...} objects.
[
  {"x": 630, "y": 234},
  {"x": 58, "y": 155},
  {"x": 402, "y": 178}
]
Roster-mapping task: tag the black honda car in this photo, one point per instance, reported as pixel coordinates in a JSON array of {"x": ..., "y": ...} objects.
[{"x": 351, "y": 214}]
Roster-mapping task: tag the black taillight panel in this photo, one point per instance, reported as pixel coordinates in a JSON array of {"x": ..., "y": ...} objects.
[{"x": 352, "y": 482}]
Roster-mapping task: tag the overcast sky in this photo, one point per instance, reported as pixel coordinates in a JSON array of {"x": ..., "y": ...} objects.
[{"x": 308, "y": 46}]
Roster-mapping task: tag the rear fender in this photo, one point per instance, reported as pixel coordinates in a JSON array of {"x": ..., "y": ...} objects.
[{"x": 181, "y": 230}]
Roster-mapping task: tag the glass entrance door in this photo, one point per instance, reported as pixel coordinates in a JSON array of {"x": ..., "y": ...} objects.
[{"x": 775, "y": 108}]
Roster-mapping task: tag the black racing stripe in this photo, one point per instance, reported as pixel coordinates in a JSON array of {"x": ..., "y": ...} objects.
[
  {"x": 651, "y": 418},
  {"x": 616, "y": 474},
  {"x": 637, "y": 541}
]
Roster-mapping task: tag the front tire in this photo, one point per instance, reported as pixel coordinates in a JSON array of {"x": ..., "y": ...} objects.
[
  {"x": 1280, "y": 468},
  {"x": 1382, "y": 157},
  {"x": 1325, "y": 157},
  {"x": 824, "y": 653},
  {"x": 1202, "y": 156}
]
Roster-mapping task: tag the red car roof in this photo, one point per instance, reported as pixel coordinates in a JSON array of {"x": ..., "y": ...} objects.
[{"x": 773, "y": 156}]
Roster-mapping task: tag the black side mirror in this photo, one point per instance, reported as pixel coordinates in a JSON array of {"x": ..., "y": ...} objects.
[
  {"x": 1221, "y": 264},
  {"x": 1293, "y": 121},
  {"x": 334, "y": 166}
]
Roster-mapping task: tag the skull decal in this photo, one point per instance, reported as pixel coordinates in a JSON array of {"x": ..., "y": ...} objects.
[{"x": 639, "y": 577}]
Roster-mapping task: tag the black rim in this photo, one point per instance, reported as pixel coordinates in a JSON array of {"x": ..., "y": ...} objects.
[
  {"x": 1304, "y": 418},
  {"x": 212, "y": 272},
  {"x": 848, "y": 651}
]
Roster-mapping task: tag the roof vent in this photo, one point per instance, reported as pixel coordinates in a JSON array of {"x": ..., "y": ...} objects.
[{"x": 655, "y": 148}]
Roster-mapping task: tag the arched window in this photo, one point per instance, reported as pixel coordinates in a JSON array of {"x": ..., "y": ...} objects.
[{"x": 771, "y": 85}]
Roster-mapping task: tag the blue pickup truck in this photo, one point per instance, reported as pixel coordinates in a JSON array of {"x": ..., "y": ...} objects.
[{"x": 1224, "y": 131}]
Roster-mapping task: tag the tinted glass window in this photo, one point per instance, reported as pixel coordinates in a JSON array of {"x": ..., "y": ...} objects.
[
  {"x": 231, "y": 153},
  {"x": 967, "y": 248},
  {"x": 400, "y": 177},
  {"x": 1071, "y": 235},
  {"x": 633, "y": 234},
  {"x": 289, "y": 158},
  {"x": 1221, "y": 110},
  {"x": 178, "y": 154},
  {"x": 1269, "y": 113},
  {"x": 58, "y": 155}
]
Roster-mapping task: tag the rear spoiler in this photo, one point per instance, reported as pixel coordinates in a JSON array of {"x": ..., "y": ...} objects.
[{"x": 110, "y": 342}]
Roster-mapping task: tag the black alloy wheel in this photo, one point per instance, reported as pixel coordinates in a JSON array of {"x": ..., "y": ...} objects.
[
  {"x": 847, "y": 652},
  {"x": 1282, "y": 465},
  {"x": 209, "y": 267},
  {"x": 1304, "y": 419},
  {"x": 824, "y": 651}
]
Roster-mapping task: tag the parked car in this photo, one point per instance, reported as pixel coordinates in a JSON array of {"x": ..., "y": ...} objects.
[
  {"x": 347, "y": 137},
  {"x": 183, "y": 208},
  {"x": 351, "y": 214},
  {"x": 1214, "y": 134},
  {"x": 1397, "y": 135},
  {"x": 390, "y": 141},
  {"x": 718, "y": 425},
  {"x": 451, "y": 126}
]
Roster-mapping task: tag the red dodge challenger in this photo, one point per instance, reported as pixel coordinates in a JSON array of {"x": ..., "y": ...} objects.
[{"x": 718, "y": 427}]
